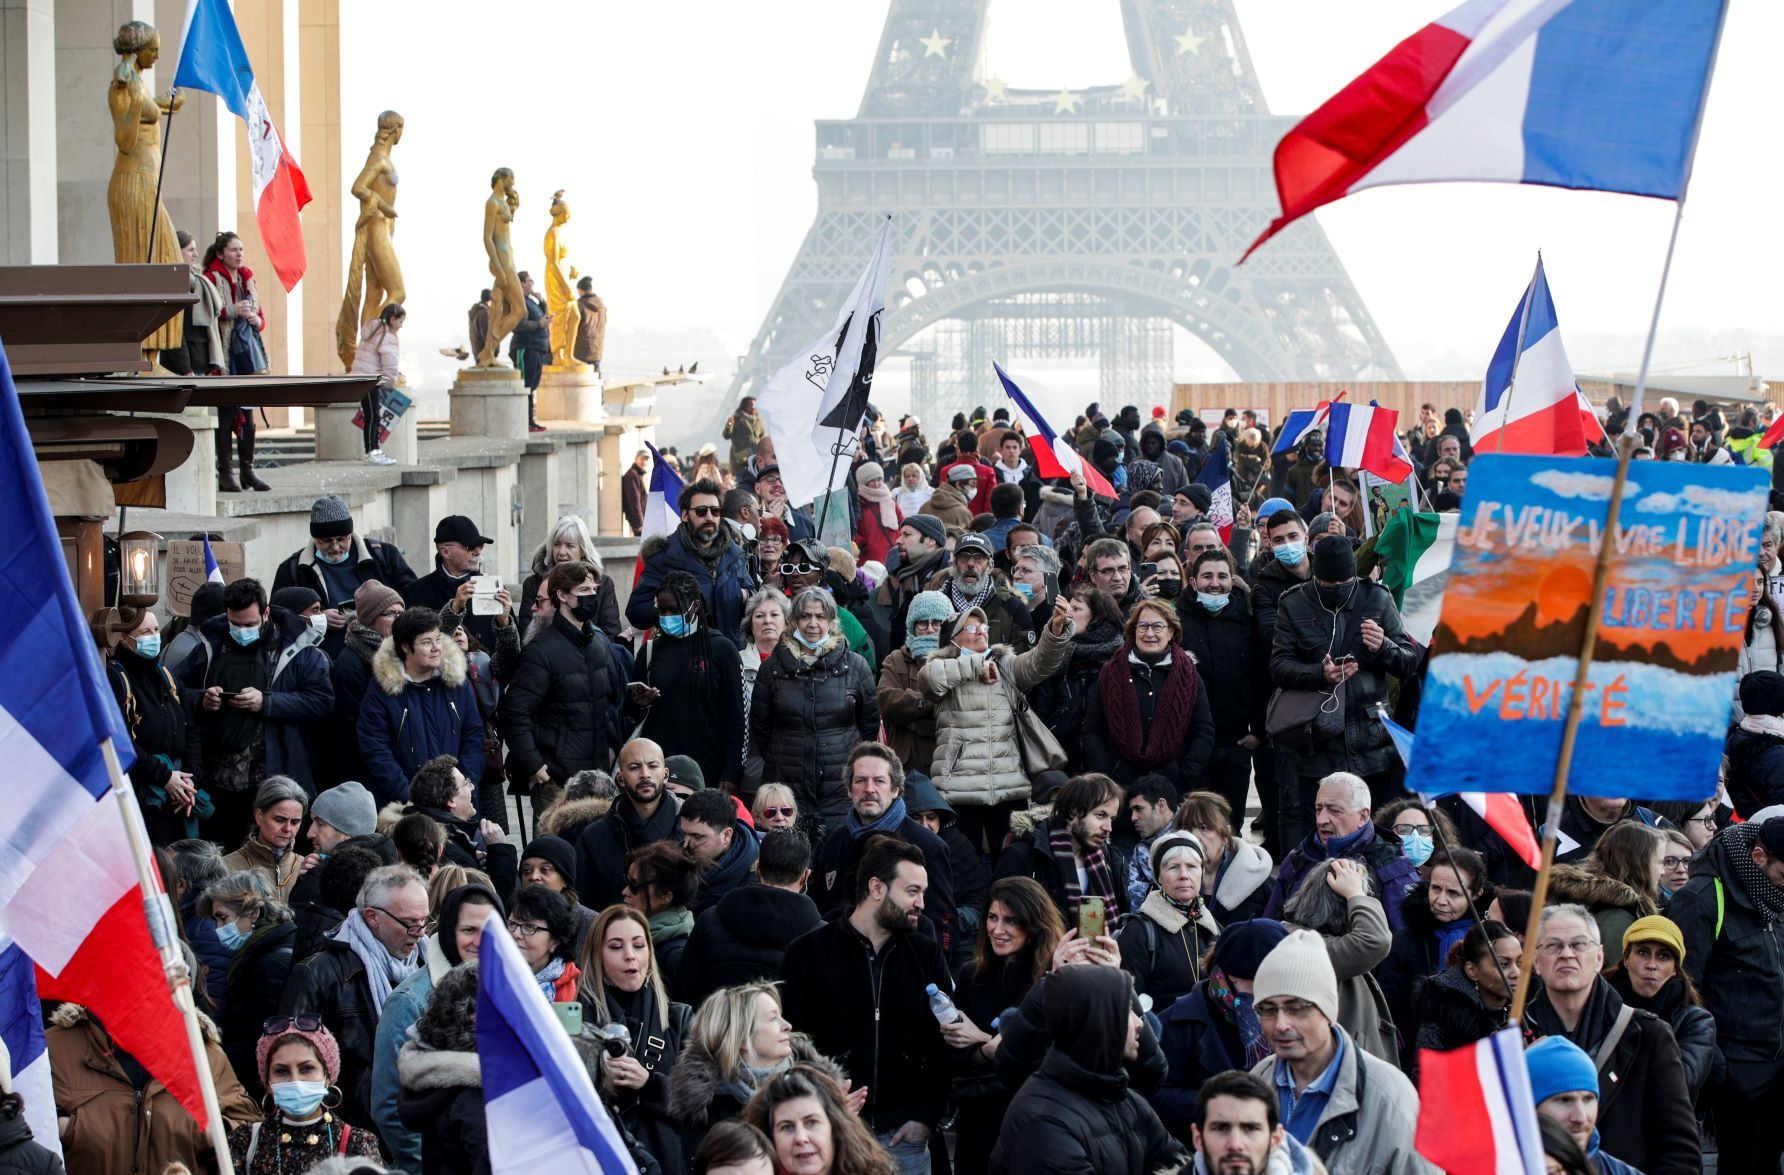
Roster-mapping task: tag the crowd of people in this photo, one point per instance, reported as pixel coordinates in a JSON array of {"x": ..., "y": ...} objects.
[{"x": 965, "y": 843}]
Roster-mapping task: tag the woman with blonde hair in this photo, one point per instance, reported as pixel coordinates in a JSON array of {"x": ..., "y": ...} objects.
[
  {"x": 568, "y": 542},
  {"x": 622, "y": 986},
  {"x": 738, "y": 1042},
  {"x": 806, "y": 1114},
  {"x": 913, "y": 489},
  {"x": 774, "y": 807}
]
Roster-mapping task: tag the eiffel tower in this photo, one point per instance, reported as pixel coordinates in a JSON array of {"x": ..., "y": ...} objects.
[{"x": 1073, "y": 224}]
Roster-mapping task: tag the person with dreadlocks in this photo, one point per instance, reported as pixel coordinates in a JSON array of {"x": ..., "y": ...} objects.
[{"x": 687, "y": 684}]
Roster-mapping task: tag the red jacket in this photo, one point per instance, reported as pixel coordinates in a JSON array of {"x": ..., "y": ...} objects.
[
  {"x": 986, "y": 478},
  {"x": 872, "y": 539}
]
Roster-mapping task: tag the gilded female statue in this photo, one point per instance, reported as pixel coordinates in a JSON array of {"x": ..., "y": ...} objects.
[
  {"x": 130, "y": 198},
  {"x": 508, "y": 305},
  {"x": 374, "y": 276},
  {"x": 560, "y": 294}
]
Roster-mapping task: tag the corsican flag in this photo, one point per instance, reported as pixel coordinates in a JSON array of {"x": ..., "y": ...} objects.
[
  {"x": 540, "y": 1109},
  {"x": 813, "y": 406}
]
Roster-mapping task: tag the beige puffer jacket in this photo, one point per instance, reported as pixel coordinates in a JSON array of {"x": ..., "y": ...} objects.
[{"x": 977, "y": 759}]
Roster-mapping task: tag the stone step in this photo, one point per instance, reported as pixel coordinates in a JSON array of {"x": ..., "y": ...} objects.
[{"x": 288, "y": 446}]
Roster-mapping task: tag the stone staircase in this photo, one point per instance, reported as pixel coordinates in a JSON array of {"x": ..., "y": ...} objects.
[{"x": 290, "y": 446}]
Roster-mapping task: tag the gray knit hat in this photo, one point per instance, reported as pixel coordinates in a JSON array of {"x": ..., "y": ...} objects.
[
  {"x": 1298, "y": 968},
  {"x": 926, "y": 606},
  {"x": 929, "y": 526},
  {"x": 347, "y": 807},
  {"x": 868, "y": 472},
  {"x": 330, "y": 518}
]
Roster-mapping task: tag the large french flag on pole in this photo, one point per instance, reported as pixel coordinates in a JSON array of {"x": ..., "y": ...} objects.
[
  {"x": 1501, "y": 810},
  {"x": 1217, "y": 475},
  {"x": 69, "y": 892},
  {"x": 1476, "y": 1112},
  {"x": 662, "y": 503},
  {"x": 1591, "y": 94},
  {"x": 540, "y": 1109},
  {"x": 1530, "y": 402},
  {"x": 1052, "y": 456},
  {"x": 1302, "y": 421},
  {"x": 212, "y": 59},
  {"x": 27, "y": 1059},
  {"x": 1362, "y": 437}
]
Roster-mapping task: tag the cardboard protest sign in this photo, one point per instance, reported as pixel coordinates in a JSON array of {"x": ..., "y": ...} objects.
[
  {"x": 1514, "y": 615},
  {"x": 185, "y": 570}
]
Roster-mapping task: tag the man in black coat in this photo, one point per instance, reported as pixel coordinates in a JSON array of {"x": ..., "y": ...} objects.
[
  {"x": 554, "y": 711},
  {"x": 876, "y": 805},
  {"x": 1731, "y": 913},
  {"x": 1085, "y": 808},
  {"x": 644, "y": 814},
  {"x": 856, "y": 986},
  {"x": 458, "y": 558},
  {"x": 1218, "y": 632},
  {"x": 742, "y": 938},
  {"x": 336, "y": 562}
]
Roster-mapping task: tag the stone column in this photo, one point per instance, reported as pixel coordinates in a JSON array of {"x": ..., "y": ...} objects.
[
  {"x": 327, "y": 235},
  {"x": 489, "y": 402},
  {"x": 570, "y": 395},
  {"x": 269, "y": 31},
  {"x": 539, "y": 501},
  {"x": 28, "y": 132},
  {"x": 84, "y": 147},
  {"x": 199, "y": 189},
  {"x": 339, "y": 439}
]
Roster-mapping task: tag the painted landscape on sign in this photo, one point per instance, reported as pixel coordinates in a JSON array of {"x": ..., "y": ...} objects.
[{"x": 1507, "y": 644}]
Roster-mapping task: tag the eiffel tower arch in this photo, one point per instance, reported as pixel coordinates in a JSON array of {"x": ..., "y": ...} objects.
[{"x": 1030, "y": 224}]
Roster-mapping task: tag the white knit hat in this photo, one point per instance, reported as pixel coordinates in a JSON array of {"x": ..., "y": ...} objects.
[{"x": 1298, "y": 968}]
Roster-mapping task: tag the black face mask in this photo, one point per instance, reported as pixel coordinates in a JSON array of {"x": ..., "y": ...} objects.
[
  {"x": 1170, "y": 589},
  {"x": 586, "y": 608},
  {"x": 1334, "y": 595}
]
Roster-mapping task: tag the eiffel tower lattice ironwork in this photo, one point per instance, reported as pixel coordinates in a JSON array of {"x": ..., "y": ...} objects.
[{"x": 1077, "y": 223}]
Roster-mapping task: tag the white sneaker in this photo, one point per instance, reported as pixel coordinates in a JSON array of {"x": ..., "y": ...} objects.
[{"x": 378, "y": 457}]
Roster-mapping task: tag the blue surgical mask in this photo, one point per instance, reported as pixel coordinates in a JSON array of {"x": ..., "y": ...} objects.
[
  {"x": 1291, "y": 554},
  {"x": 231, "y": 936},
  {"x": 245, "y": 636},
  {"x": 1025, "y": 590},
  {"x": 1213, "y": 602},
  {"x": 814, "y": 646},
  {"x": 922, "y": 646},
  {"x": 334, "y": 560},
  {"x": 1417, "y": 846},
  {"x": 678, "y": 625},
  {"x": 149, "y": 647},
  {"x": 299, "y": 1098}
]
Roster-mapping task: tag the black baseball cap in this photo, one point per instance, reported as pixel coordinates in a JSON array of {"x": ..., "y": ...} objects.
[{"x": 456, "y": 528}]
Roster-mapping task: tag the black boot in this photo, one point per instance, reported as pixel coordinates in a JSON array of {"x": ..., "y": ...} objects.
[
  {"x": 249, "y": 480},
  {"x": 225, "y": 475}
]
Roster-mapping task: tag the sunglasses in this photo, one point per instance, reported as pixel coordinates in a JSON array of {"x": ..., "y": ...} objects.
[
  {"x": 771, "y": 813},
  {"x": 798, "y": 568},
  {"x": 704, "y": 511},
  {"x": 306, "y": 1022}
]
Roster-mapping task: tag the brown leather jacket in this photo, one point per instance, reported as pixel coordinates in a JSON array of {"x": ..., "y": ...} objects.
[
  {"x": 908, "y": 713},
  {"x": 113, "y": 1128}
]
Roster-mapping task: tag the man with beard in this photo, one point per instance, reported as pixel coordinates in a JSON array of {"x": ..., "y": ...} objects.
[
  {"x": 1070, "y": 854},
  {"x": 970, "y": 583},
  {"x": 1238, "y": 1131},
  {"x": 721, "y": 844},
  {"x": 876, "y": 806},
  {"x": 922, "y": 551},
  {"x": 644, "y": 814},
  {"x": 856, "y": 986},
  {"x": 702, "y": 547}
]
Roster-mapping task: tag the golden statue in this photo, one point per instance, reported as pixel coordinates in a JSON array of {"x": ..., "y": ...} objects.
[
  {"x": 561, "y": 308},
  {"x": 136, "y": 214},
  {"x": 508, "y": 303},
  {"x": 374, "y": 276}
]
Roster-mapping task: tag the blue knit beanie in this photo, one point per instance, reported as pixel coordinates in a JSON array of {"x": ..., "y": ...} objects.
[
  {"x": 926, "y": 606},
  {"x": 1557, "y": 1065}
]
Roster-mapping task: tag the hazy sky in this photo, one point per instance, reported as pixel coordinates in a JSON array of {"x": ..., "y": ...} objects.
[{"x": 683, "y": 135}]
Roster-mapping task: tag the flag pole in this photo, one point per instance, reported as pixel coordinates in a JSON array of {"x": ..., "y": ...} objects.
[
  {"x": 1511, "y": 385},
  {"x": 836, "y": 452},
  {"x": 161, "y": 174},
  {"x": 179, "y": 981}
]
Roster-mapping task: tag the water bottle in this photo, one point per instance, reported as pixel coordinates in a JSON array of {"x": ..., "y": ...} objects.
[{"x": 941, "y": 1005}]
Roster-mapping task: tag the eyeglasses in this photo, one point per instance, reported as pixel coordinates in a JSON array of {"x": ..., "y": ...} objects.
[
  {"x": 416, "y": 927},
  {"x": 1151, "y": 626},
  {"x": 925, "y": 627},
  {"x": 1270, "y": 1009},
  {"x": 798, "y": 568},
  {"x": 1409, "y": 829},
  {"x": 1673, "y": 862},
  {"x": 1707, "y": 821},
  {"x": 704, "y": 511},
  {"x": 1576, "y": 946},
  {"x": 771, "y": 813},
  {"x": 972, "y": 629},
  {"x": 525, "y": 929},
  {"x": 306, "y": 1022}
]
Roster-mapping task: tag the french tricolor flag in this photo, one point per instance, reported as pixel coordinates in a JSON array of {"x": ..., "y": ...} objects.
[
  {"x": 1602, "y": 95},
  {"x": 1303, "y": 421},
  {"x": 1477, "y": 1115},
  {"x": 70, "y": 896},
  {"x": 212, "y": 59},
  {"x": 1530, "y": 402},
  {"x": 662, "y": 504},
  {"x": 1363, "y": 437},
  {"x": 1052, "y": 456},
  {"x": 1501, "y": 810},
  {"x": 212, "y": 573}
]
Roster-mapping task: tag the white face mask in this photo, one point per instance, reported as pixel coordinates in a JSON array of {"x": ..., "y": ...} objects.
[{"x": 319, "y": 624}]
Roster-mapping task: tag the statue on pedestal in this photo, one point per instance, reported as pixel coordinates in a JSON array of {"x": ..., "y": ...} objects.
[
  {"x": 136, "y": 214},
  {"x": 560, "y": 299},
  {"x": 508, "y": 303},
  {"x": 374, "y": 276}
]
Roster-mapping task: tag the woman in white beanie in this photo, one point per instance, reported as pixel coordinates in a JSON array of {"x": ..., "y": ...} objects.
[
  {"x": 1166, "y": 947},
  {"x": 880, "y": 515}
]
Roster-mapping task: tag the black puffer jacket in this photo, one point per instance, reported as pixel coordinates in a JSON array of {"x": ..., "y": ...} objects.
[
  {"x": 805, "y": 717},
  {"x": 1733, "y": 951},
  {"x": 1693, "y": 1027},
  {"x": 1304, "y": 634},
  {"x": 20, "y": 1154},
  {"x": 1234, "y": 665},
  {"x": 603, "y": 847},
  {"x": 332, "y": 984},
  {"x": 1448, "y": 1013},
  {"x": 257, "y": 977},
  {"x": 554, "y": 710},
  {"x": 1062, "y": 699},
  {"x": 743, "y": 938}
]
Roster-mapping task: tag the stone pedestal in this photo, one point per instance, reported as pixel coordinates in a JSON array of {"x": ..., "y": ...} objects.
[
  {"x": 489, "y": 402},
  {"x": 192, "y": 488},
  {"x": 620, "y": 442},
  {"x": 339, "y": 439},
  {"x": 569, "y": 395}
]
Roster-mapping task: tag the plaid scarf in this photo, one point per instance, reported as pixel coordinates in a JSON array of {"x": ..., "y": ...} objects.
[
  {"x": 1768, "y": 897},
  {"x": 964, "y": 603},
  {"x": 1096, "y": 870}
]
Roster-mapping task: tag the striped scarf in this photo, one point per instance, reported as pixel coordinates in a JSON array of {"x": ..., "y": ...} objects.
[{"x": 1096, "y": 870}]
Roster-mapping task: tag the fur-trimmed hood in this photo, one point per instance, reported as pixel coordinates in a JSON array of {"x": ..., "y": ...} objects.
[
  {"x": 1570, "y": 883},
  {"x": 1027, "y": 820},
  {"x": 695, "y": 1081},
  {"x": 799, "y": 652},
  {"x": 1059, "y": 496},
  {"x": 652, "y": 547},
  {"x": 387, "y": 667},
  {"x": 424, "y": 1068},
  {"x": 569, "y": 818},
  {"x": 74, "y": 1015}
]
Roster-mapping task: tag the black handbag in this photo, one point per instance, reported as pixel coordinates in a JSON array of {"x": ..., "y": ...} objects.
[{"x": 1299, "y": 718}]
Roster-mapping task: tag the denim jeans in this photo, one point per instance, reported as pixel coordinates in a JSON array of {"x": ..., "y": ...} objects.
[{"x": 912, "y": 1158}]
